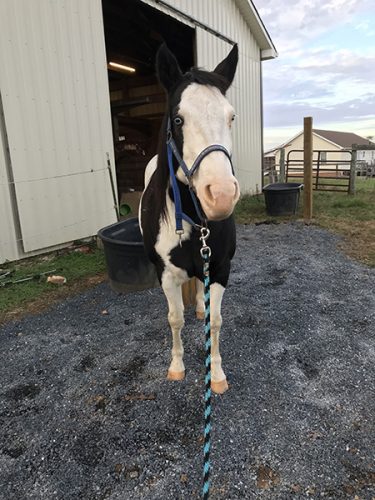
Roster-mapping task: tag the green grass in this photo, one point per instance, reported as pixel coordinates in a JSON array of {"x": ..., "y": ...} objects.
[
  {"x": 361, "y": 206},
  {"x": 74, "y": 266}
]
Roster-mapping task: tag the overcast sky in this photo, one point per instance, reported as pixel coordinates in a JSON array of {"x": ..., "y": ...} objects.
[{"x": 325, "y": 68}]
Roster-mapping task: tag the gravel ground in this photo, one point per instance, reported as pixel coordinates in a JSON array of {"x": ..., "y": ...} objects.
[{"x": 86, "y": 411}]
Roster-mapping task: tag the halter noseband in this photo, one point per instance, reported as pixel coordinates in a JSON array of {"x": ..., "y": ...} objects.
[{"x": 172, "y": 150}]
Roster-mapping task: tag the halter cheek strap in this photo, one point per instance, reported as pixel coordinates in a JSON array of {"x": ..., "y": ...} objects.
[{"x": 172, "y": 150}]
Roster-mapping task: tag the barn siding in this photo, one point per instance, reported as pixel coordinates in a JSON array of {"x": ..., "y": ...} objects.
[
  {"x": 54, "y": 92},
  {"x": 245, "y": 94},
  {"x": 54, "y": 89}
]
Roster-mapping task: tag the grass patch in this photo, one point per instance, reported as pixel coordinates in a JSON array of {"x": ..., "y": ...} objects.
[
  {"x": 350, "y": 203},
  {"x": 31, "y": 295},
  {"x": 350, "y": 216}
]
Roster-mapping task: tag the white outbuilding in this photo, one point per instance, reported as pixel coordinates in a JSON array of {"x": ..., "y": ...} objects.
[{"x": 80, "y": 107}]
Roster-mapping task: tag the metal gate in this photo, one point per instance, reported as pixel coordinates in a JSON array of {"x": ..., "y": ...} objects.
[{"x": 331, "y": 169}]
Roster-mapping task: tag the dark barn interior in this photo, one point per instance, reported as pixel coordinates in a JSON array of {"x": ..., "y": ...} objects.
[{"x": 133, "y": 33}]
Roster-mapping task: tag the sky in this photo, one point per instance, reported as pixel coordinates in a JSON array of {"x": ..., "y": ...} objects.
[{"x": 325, "y": 67}]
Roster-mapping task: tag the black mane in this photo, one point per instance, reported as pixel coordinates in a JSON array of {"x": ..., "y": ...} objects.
[{"x": 197, "y": 75}]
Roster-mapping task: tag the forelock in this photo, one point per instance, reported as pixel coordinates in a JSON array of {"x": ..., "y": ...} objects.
[{"x": 197, "y": 75}]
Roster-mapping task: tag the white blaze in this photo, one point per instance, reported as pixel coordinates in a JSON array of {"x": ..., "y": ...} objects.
[{"x": 207, "y": 119}]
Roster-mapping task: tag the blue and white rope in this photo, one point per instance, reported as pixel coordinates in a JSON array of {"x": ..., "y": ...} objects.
[{"x": 207, "y": 397}]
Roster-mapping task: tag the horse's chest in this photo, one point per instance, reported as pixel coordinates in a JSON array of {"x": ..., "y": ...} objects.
[{"x": 177, "y": 258}]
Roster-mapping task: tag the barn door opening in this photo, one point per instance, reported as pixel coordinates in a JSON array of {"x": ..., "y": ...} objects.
[{"x": 133, "y": 33}]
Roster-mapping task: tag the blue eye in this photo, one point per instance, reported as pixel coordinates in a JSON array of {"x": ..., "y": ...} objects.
[{"x": 178, "y": 121}]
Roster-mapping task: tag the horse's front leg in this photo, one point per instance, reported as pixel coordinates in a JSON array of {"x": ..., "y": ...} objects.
[
  {"x": 218, "y": 379},
  {"x": 173, "y": 293}
]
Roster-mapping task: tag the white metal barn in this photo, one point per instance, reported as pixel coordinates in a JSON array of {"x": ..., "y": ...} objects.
[{"x": 65, "y": 112}]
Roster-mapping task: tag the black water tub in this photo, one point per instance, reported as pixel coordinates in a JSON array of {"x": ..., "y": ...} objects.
[
  {"x": 128, "y": 267},
  {"x": 282, "y": 197}
]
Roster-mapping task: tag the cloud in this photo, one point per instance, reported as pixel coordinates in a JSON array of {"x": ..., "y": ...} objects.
[
  {"x": 291, "y": 114},
  {"x": 339, "y": 63},
  {"x": 326, "y": 64},
  {"x": 321, "y": 76},
  {"x": 297, "y": 21},
  {"x": 289, "y": 88},
  {"x": 365, "y": 28}
]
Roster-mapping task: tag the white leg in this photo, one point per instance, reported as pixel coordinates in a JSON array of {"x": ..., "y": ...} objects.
[
  {"x": 218, "y": 379},
  {"x": 173, "y": 293},
  {"x": 199, "y": 309}
]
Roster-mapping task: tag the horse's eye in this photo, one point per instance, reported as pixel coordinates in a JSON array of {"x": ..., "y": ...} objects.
[
  {"x": 233, "y": 118},
  {"x": 178, "y": 121}
]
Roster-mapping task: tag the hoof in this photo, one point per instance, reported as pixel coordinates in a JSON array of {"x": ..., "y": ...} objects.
[
  {"x": 175, "y": 375},
  {"x": 219, "y": 387},
  {"x": 199, "y": 314}
]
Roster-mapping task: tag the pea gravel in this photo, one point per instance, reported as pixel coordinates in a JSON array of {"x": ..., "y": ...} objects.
[{"x": 86, "y": 411}]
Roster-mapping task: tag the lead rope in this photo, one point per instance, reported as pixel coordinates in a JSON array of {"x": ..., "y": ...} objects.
[{"x": 206, "y": 254}]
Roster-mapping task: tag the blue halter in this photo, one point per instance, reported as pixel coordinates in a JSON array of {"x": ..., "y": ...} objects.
[{"x": 173, "y": 151}]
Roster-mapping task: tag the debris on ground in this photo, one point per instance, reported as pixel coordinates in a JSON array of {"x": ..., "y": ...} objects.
[{"x": 56, "y": 280}]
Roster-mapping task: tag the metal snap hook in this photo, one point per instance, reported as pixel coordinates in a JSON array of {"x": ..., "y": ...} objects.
[{"x": 205, "y": 250}]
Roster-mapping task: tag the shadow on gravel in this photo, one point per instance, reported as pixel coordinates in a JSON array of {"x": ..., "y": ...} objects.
[{"x": 86, "y": 411}]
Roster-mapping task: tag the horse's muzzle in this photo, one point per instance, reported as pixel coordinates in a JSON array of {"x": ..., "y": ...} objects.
[{"x": 219, "y": 199}]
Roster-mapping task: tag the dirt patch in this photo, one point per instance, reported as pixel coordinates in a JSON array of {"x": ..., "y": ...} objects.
[
  {"x": 359, "y": 238},
  {"x": 359, "y": 242},
  {"x": 51, "y": 297}
]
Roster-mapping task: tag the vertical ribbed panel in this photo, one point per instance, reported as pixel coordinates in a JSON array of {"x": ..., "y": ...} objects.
[
  {"x": 245, "y": 94},
  {"x": 56, "y": 104}
]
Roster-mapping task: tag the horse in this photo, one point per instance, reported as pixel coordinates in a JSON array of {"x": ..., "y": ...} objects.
[{"x": 192, "y": 176}]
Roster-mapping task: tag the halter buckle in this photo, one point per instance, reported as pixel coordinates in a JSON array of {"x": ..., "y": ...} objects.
[{"x": 179, "y": 233}]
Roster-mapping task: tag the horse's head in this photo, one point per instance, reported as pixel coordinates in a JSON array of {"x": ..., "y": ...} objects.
[{"x": 201, "y": 116}]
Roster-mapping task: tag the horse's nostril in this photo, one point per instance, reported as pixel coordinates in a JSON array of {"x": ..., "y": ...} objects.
[{"x": 209, "y": 195}]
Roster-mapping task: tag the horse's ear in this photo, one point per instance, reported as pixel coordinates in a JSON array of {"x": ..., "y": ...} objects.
[
  {"x": 167, "y": 68},
  {"x": 227, "y": 67}
]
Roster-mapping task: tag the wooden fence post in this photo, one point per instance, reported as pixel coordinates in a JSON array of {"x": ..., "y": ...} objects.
[
  {"x": 307, "y": 167},
  {"x": 353, "y": 165}
]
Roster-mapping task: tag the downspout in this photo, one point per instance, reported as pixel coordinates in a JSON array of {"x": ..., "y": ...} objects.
[
  {"x": 261, "y": 118},
  {"x": 10, "y": 179}
]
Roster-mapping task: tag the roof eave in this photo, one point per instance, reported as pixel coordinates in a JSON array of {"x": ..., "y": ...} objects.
[
  {"x": 267, "y": 54},
  {"x": 261, "y": 35}
]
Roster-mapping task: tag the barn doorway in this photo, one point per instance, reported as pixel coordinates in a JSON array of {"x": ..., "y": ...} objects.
[{"x": 133, "y": 33}]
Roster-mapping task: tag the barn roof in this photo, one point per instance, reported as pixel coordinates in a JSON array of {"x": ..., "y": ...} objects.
[{"x": 342, "y": 139}]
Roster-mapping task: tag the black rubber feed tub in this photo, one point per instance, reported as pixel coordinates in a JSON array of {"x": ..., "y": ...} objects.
[
  {"x": 282, "y": 198},
  {"x": 128, "y": 267}
]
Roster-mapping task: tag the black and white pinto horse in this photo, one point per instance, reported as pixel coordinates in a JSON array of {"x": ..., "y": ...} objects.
[{"x": 198, "y": 116}]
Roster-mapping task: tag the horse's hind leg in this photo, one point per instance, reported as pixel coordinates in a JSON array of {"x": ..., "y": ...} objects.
[
  {"x": 173, "y": 294},
  {"x": 218, "y": 379},
  {"x": 199, "y": 309}
]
